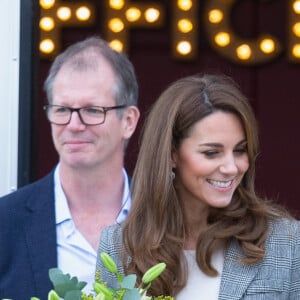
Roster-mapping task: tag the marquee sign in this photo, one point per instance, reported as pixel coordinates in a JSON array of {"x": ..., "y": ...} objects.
[{"x": 122, "y": 15}]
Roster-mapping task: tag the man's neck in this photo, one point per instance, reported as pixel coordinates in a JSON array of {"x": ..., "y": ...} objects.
[
  {"x": 88, "y": 185},
  {"x": 94, "y": 199}
]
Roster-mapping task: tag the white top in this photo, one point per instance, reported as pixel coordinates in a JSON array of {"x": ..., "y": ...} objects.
[
  {"x": 200, "y": 285},
  {"x": 74, "y": 254}
]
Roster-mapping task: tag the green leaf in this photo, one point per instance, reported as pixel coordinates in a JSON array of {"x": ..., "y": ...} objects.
[
  {"x": 132, "y": 295},
  {"x": 73, "y": 295},
  {"x": 119, "y": 277},
  {"x": 63, "y": 283},
  {"x": 129, "y": 282},
  {"x": 100, "y": 297}
]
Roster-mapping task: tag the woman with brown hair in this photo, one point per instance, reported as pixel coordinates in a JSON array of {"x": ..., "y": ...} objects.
[{"x": 195, "y": 206}]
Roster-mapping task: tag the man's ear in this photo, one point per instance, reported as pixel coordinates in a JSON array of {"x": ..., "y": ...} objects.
[{"x": 130, "y": 118}]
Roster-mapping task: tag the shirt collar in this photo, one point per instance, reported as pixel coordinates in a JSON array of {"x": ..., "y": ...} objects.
[
  {"x": 126, "y": 200},
  {"x": 62, "y": 211}
]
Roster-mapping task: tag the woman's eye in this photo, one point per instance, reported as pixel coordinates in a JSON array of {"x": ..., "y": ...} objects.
[
  {"x": 241, "y": 150},
  {"x": 210, "y": 153}
]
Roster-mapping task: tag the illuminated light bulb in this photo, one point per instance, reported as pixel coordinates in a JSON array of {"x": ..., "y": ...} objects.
[
  {"x": 185, "y": 4},
  {"x": 47, "y": 24},
  {"x": 215, "y": 16},
  {"x": 184, "y": 47},
  {"x": 116, "y": 4},
  {"x": 222, "y": 39},
  {"x": 296, "y": 29},
  {"x": 83, "y": 13},
  {"x": 243, "y": 52},
  {"x": 296, "y": 50},
  {"x": 152, "y": 15},
  {"x": 47, "y": 46},
  {"x": 116, "y": 45},
  {"x": 267, "y": 46},
  {"x": 133, "y": 14},
  {"x": 185, "y": 25},
  {"x": 47, "y": 4},
  {"x": 64, "y": 13},
  {"x": 296, "y": 7},
  {"x": 116, "y": 25}
]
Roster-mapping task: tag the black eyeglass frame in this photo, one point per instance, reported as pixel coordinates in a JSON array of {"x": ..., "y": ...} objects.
[{"x": 71, "y": 110}]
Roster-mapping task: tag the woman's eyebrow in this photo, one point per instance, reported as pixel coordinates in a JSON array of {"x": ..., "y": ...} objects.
[
  {"x": 219, "y": 145},
  {"x": 242, "y": 142},
  {"x": 216, "y": 145}
]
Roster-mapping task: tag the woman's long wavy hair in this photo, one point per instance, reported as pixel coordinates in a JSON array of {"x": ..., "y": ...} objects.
[{"x": 155, "y": 228}]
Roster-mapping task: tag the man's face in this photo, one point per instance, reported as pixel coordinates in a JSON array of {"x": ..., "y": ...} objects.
[{"x": 86, "y": 146}]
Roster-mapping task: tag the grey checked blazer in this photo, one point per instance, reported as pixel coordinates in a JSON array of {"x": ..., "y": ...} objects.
[{"x": 277, "y": 276}]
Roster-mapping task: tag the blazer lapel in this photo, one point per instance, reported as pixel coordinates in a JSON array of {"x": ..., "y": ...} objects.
[
  {"x": 236, "y": 276},
  {"x": 40, "y": 233}
]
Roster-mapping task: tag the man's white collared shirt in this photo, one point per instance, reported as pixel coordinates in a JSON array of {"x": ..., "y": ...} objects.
[{"x": 74, "y": 254}]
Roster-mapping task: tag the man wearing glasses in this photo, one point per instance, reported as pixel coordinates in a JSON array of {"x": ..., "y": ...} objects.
[{"x": 56, "y": 222}]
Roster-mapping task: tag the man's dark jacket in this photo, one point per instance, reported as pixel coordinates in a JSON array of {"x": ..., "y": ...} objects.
[{"x": 27, "y": 241}]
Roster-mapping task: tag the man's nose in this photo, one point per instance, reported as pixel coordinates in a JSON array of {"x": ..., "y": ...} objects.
[{"x": 75, "y": 120}]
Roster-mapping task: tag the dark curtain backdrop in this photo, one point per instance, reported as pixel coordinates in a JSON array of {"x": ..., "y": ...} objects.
[
  {"x": 28, "y": 89},
  {"x": 273, "y": 89}
]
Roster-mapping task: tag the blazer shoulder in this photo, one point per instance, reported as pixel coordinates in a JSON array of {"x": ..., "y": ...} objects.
[
  {"x": 285, "y": 229},
  {"x": 283, "y": 246},
  {"x": 42, "y": 188}
]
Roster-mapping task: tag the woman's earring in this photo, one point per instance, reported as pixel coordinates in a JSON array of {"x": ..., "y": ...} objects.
[{"x": 173, "y": 175}]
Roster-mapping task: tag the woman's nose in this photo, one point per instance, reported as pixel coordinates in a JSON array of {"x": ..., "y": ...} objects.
[{"x": 229, "y": 166}]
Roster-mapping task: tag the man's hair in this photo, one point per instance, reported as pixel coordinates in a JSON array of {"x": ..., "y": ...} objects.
[{"x": 83, "y": 56}]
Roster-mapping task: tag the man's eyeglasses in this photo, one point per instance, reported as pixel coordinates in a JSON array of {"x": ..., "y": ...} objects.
[{"x": 92, "y": 115}]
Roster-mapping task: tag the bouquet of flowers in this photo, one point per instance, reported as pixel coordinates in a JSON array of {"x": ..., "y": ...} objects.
[{"x": 69, "y": 288}]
